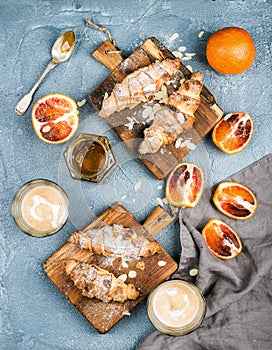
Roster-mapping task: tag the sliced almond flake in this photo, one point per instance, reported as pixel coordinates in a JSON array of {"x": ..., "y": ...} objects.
[
  {"x": 190, "y": 54},
  {"x": 182, "y": 48},
  {"x": 200, "y": 34},
  {"x": 94, "y": 42},
  {"x": 124, "y": 196},
  {"x": 106, "y": 95},
  {"x": 123, "y": 277},
  {"x": 137, "y": 186},
  {"x": 132, "y": 274},
  {"x": 159, "y": 187},
  {"x": 190, "y": 68},
  {"x": 140, "y": 265},
  {"x": 130, "y": 125},
  {"x": 190, "y": 145},
  {"x": 82, "y": 102},
  {"x": 173, "y": 37},
  {"x": 180, "y": 118},
  {"x": 160, "y": 201},
  {"x": 126, "y": 313},
  {"x": 165, "y": 201},
  {"x": 124, "y": 264},
  {"x": 161, "y": 263},
  {"x": 46, "y": 128},
  {"x": 187, "y": 58},
  {"x": 147, "y": 111},
  {"x": 179, "y": 143},
  {"x": 193, "y": 272},
  {"x": 177, "y": 54}
]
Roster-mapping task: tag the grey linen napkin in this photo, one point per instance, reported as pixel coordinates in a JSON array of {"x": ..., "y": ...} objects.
[{"x": 239, "y": 291}]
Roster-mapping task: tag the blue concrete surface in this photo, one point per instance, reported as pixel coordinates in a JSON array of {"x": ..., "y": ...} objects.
[{"x": 34, "y": 314}]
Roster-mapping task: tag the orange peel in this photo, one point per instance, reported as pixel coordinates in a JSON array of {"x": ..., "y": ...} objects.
[{"x": 185, "y": 185}]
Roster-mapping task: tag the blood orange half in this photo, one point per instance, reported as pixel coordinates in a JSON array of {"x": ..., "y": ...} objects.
[
  {"x": 55, "y": 118},
  {"x": 233, "y": 132},
  {"x": 221, "y": 239},
  {"x": 184, "y": 186},
  {"x": 235, "y": 200}
]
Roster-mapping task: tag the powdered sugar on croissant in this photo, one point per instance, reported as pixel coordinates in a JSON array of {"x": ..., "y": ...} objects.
[
  {"x": 115, "y": 240},
  {"x": 175, "y": 117},
  {"x": 139, "y": 86},
  {"x": 94, "y": 282}
]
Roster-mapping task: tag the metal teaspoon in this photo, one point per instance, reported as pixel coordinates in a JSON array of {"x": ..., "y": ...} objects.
[{"x": 61, "y": 52}]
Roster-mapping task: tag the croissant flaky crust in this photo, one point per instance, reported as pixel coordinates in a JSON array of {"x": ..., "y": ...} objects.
[
  {"x": 139, "y": 86},
  {"x": 115, "y": 240},
  {"x": 174, "y": 118},
  {"x": 98, "y": 283}
]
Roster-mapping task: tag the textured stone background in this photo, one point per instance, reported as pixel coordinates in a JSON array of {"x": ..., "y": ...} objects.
[{"x": 34, "y": 314}]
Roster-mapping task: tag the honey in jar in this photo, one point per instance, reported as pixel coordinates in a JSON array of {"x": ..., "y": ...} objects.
[
  {"x": 89, "y": 157},
  {"x": 94, "y": 159}
]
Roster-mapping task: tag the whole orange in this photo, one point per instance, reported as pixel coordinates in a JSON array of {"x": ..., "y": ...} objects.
[{"x": 230, "y": 50}]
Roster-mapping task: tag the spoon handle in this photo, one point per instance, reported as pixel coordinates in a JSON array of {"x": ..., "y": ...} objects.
[{"x": 25, "y": 101}]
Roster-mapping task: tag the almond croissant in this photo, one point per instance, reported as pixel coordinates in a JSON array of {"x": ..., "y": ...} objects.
[
  {"x": 98, "y": 283},
  {"x": 115, "y": 240},
  {"x": 139, "y": 86},
  {"x": 175, "y": 117}
]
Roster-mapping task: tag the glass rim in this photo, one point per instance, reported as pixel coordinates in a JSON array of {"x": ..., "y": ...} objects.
[
  {"x": 16, "y": 208},
  {"x": 81, "y": 138},
  {"x": 177, "y": 330}
]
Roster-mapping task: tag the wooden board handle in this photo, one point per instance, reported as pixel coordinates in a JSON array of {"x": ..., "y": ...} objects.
[
  {"x": 103, "y": 54},
  {"x": 157, "y": 220}
]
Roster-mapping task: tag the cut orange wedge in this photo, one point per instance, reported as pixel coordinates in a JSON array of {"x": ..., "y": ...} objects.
[
  {"x": 235, "y": 200},
  {"x": 233, "y": 132},
  {"x": 55, "y": 118},
  {"x": 184, "y": 186},
  {"x": 221, "y": 239}
]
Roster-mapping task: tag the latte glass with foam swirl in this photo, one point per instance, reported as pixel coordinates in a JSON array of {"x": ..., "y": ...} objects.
[{"x": 40, "y": 208}]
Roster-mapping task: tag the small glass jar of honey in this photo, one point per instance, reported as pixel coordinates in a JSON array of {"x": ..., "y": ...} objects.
[{"x": 89, "y": 157}]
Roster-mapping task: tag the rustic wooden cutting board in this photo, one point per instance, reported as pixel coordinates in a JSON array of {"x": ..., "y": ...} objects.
[
  {"x": 207, "y": 114},
  {"x": 103, "y": 316}
]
